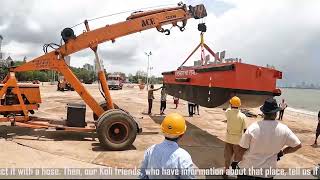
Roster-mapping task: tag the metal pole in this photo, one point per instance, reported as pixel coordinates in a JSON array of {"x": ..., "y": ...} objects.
[
  {"x": 1, "y": 38},
  {"x": 151, "y": 80},
  {"x": 148, "y": 54},
  {"x": 148, "y": 73}
]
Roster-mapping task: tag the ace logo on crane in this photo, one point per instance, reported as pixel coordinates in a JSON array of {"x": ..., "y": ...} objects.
[{"x": 148, "y": 22}]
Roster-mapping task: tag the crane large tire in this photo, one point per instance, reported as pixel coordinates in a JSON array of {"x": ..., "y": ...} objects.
[
  {"x": 104, "y": 107},
  {"x": 116, "y": 130}
]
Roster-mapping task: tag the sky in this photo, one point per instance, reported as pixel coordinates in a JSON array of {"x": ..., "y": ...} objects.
[{"x": 283, "y": 33}]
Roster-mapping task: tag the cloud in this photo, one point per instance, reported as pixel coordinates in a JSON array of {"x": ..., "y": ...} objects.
[
  {"x": 40, "y": 22},
  {"x": 283, "y": 33}
]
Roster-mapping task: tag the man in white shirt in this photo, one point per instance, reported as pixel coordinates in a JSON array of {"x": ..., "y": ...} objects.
[
  {"x": 283, "y": 105},
  {"x": 261, "y": 145}
]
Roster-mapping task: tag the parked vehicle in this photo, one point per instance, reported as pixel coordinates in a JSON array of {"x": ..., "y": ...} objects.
[
  {"x": 64, "y": 85},
  {"x": 115, "y": 81},
  {"x": 35, "y": 82}
]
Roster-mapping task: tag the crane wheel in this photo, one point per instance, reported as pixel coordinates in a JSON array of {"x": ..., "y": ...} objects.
[
  {"x": 116, "y": 130},
  {"x": 104, "y": 107}
]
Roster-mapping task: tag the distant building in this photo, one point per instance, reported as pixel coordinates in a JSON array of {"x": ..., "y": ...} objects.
[
  {"x": 6, "y": 62},
  {"x": 88, "y": 67},
  {"x": 24, "y": 59},
  {"x": 197, "y": 63},
  {"x": 307, "y": 85},
  {"x": 9, "y": 59},
  {"x": 271, "y": 66}
]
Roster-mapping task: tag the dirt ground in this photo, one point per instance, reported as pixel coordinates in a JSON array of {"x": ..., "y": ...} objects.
[{"x": 203, "y": 140}]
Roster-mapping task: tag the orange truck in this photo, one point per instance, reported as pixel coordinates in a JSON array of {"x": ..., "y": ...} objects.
[
  {"x": 64, "y": 85},
  {"x": 115, "y": 81}
]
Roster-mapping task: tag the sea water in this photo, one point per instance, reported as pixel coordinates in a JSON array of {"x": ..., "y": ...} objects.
[{"x": 305, "y": 101}]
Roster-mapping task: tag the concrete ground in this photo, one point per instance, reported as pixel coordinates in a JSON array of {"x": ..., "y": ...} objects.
[{"x": 26, "y": 148}]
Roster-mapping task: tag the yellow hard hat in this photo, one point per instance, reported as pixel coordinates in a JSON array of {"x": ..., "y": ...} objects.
[
  {"x": 173, "y": 125},
  {"x": 235, "y": 101}
]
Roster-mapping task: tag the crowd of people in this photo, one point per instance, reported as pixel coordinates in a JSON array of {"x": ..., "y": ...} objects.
[
  {"x": 259, "y": 145},
  {"x": 192, "y": 107}
]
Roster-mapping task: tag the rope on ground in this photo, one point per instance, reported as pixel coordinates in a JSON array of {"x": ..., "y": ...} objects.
[{"x": 91, "y": 162}]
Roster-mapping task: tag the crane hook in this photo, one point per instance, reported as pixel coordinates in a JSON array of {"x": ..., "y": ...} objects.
[
  {"x": 166, "y": 32},
  {"x": 182, "y": 28}
]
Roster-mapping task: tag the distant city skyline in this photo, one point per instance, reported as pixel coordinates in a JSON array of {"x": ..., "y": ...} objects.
[{"x": 302, "y": 84}]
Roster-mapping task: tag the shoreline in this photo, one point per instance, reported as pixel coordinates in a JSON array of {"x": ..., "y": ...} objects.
[{"x": 302, "y": 111}]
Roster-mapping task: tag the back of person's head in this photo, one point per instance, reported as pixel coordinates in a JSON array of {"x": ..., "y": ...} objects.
[
  {"x": 270, "y": 109},
  {"x": 235, "y": 102},
  {"x": 151, "y": 86},
  {"x": 270, "y": 116},
  {"x": 173, "y": 126}
]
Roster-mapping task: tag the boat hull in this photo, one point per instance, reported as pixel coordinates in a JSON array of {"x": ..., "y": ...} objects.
[
  {"x": 213, "y": 86},
  {"x": 214, "y": 97}
]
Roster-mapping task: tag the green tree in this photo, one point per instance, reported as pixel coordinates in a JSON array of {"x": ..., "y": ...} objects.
[
  {"x": 141, "y": 75},
  {"x": 3, "y": 73}
]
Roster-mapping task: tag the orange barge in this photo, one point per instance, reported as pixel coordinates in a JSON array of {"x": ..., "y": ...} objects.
[{"x": 212, "y": 85}]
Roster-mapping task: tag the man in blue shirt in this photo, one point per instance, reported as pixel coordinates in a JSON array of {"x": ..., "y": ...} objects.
[{"x": 167, "y": 160}]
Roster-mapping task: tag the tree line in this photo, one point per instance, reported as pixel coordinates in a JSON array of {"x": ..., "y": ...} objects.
[
  {"x": 84, "y": 75},
  {"x": 141, "y": 76},
  {"x": 47, "y": 75}
]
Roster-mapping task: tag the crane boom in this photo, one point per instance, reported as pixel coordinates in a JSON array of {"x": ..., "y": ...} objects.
[
  {"x": 137, "y": 22},
  {"x": 116, "y": 128}
]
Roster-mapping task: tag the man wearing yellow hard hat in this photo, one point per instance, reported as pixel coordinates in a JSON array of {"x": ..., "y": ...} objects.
[
  {"x": 236, "y": 126},
  {"x": 167, "y": 156}
]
